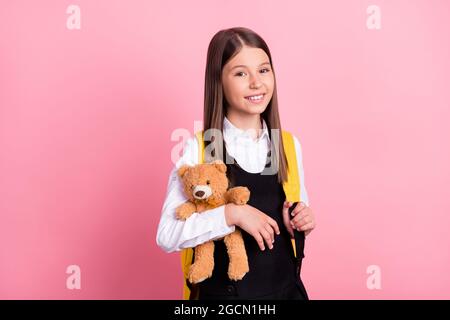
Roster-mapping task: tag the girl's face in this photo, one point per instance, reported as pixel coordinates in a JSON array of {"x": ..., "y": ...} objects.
[{"x": 248, "y": 81}]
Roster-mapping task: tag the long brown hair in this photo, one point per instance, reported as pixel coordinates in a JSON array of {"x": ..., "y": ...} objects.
[{"x": 223, "y": 46}]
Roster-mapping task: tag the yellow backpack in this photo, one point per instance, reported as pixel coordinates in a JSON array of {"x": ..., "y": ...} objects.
[{"x": 291, "y": 189}]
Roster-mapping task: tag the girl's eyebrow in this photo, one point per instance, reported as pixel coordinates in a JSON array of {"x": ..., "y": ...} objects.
[{"x": 246, "y": 66}]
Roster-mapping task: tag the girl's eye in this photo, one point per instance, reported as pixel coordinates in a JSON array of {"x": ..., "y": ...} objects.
[
  {"x": 265, "y": 70},
  {"x": 207, "y": 182}
]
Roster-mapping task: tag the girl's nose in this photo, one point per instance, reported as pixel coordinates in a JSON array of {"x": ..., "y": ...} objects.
[{"x": 255, "y": 82}]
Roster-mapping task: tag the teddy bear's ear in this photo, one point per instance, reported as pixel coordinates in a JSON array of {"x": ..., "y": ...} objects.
[
  {"x": 182, "y": 170},
  {"x": 222, "y": 167}
]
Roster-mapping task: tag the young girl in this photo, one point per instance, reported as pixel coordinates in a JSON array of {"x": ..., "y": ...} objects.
[{"x": 241, "y": 102}]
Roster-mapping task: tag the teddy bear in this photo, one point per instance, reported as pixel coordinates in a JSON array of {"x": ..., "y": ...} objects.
[{"x": 206, "y": 186}]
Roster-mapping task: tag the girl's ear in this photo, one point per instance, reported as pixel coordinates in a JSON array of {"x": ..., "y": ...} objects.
[
  {"x": 222, "y": 167},
  {"x": 182, "y": 170}
]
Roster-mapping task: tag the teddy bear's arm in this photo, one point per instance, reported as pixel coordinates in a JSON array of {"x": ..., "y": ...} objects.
[
  {"x": 238, "y": 195},
  {"x": 185, "y": 210}
]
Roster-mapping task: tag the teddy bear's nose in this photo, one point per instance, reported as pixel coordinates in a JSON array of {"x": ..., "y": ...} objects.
[{"x": 199, "y": 193}]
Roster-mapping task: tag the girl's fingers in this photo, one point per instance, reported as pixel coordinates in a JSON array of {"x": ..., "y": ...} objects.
[
  {"x": 300, "y": 206},
  {"x": 267, "y": 238},
  {"x": 259, "y": 239},
  {"x": 308, "y": 221},
  {"x": 286, "y": 207},
  {"x": 302, "y": 219},
  {"x": 308, "y": 226},
  {"x": 287, "y": 204},
  {"x": 296, "y": 210},
  {"x": 274, "y": 225},
  {"x": 270, "y": 231}
]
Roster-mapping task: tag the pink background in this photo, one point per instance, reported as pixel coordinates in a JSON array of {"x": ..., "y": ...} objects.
[{"x": 86, "y": 118}]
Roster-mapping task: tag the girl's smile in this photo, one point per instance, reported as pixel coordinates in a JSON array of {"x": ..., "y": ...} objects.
[{"x": 256, "y": 99}]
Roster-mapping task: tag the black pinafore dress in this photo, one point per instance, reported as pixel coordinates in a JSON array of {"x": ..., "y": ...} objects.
[{"x": 274, "y": 273}]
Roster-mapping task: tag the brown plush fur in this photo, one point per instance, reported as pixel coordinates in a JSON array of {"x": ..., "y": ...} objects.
[{"x": 211, "y": 179}]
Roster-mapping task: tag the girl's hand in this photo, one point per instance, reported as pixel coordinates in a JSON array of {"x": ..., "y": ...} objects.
[
  {"x": 253, "y": 221},
  {"x": 303, "y": 218}
]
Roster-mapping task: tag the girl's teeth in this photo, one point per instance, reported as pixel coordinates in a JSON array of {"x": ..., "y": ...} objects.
[{"x": 255, "y": 97}]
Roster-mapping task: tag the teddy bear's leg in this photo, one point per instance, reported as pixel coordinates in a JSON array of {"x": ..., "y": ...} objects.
[
  {"x": 238, "y": 266},
  {"x": 203, "y": 265}
]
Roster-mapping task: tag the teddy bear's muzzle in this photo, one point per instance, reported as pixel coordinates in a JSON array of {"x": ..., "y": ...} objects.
[{"x": 202, "y": 192}]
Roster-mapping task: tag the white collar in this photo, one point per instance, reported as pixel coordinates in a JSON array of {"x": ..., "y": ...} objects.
[{"x": 233, "y": 132}]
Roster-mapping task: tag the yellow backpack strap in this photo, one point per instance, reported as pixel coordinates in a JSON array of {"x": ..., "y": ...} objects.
[
  {"x": 291, "y": 187},
  {"x": 201, "y": 146},
  {"x": 187, "y": 254},
  {"x": 186, "y": 261}
]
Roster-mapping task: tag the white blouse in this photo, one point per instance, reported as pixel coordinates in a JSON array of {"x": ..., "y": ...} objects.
[{"x": 250, "y": 154}]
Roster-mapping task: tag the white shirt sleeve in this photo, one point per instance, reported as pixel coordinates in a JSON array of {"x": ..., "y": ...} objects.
[
  {"x": 298, "y": 151},
  {"x": 174, "y": 234}
]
